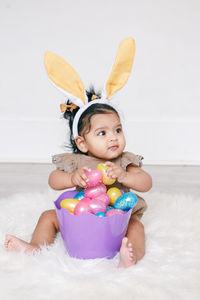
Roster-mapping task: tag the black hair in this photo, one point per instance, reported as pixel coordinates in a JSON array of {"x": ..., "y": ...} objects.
[{"x": 84, "y": 123}]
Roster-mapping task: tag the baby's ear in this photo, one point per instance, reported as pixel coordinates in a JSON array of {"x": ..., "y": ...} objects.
[{"x": 81, "y": 144}]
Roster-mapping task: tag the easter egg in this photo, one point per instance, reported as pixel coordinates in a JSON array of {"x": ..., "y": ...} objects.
[
  {"x": 126, "y": 201},
  {"x": 114, "y": 211},
  {"x": 109, "y": 208},
  {"x": 100, "y": 214},
  {"x": 103, "y": 197},
  {"x": 89, "y": 205},
  {"x": 97, "y": 206},
  {"x": 82, "y": 206},
  {"x": 94, "y": 177},
  {"x": 106, "y": 180},
  {"x": 92, "y": 192},
  {"x": 113, "y": 193},
  {"x": 69, "y": 204},
  {"x": 80, "y": 195}
]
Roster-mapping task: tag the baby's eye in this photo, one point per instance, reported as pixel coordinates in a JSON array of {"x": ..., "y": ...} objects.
[
  {"x": 118, "y": 130},
  {"x": 102, "y": 133}
]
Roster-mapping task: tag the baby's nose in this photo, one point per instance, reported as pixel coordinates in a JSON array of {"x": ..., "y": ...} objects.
[{"x": 112, "y": 137}]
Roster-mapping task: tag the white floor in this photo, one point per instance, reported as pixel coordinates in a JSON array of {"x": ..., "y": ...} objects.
[
  {"x": 15, "y": 178},
  {"x": 169, "y": 270}
]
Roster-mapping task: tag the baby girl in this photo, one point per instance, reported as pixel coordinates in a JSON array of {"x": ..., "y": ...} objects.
[{"x": 96, "y": 136}]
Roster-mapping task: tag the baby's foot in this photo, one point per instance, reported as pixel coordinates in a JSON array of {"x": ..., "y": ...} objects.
[
  {"x": 12, "y": 243},
  {"x": 127, "y": 255}
]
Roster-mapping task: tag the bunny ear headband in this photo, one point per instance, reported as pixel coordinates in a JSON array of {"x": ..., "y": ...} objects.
[{"x": 66, "y": 79}]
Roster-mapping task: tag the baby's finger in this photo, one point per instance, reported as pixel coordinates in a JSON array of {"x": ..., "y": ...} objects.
[
  {"x": 111, "y": 173},
  {"x": 83, "y": 174},
  {"x": 82, "y": 183},
  {"x": 110, "y": 170},
  {"x": 108, "y": 163},
  {"x": 84, "y": 177},
  {"x": 86, "y": 168}
]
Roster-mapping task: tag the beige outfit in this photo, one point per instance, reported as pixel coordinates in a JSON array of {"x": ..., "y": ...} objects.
[{"x": 69, "y": 162}]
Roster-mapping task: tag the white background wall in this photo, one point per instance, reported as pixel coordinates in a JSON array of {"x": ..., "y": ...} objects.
[{"x": 161, "y": 101}]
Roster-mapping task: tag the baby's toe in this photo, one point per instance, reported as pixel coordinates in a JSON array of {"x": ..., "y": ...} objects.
[
  {"x": 124, "y": 241},
  {"x": 130, "y": 246}
]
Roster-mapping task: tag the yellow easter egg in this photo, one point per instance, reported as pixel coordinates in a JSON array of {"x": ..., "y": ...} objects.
[
  {"x": 101, "y": 167},
  {"x": 108, "y": 181},
  {"x": 105, "y": 179},
  {"x": 114, "y": 194},
  {"x": 69, "y": 204}
]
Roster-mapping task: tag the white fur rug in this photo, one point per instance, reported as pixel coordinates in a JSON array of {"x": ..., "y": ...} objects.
[{"x": 169, "y": 270}]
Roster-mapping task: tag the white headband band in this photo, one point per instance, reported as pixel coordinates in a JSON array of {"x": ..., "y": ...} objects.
[{"x": 81, "y": 111}]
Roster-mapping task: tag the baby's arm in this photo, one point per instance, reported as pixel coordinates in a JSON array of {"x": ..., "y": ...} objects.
[
  {"x": 60, "y": 180},
  {"x": 134, "y": 177}
]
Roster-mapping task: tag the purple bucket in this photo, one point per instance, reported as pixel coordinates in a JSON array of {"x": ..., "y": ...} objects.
[{"x": 87, "y": 236}]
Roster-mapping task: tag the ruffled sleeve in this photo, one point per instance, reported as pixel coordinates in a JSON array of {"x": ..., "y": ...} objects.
[
  {"x": 130, "y": 158},
  {"x": 65, "y": 162}
]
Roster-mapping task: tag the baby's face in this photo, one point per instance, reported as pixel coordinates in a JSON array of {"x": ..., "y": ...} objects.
[{"x": 106, "y": 138}]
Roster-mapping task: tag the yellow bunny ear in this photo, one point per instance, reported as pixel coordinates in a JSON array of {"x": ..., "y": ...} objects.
[
  {"x": 65, "y": 78},
  {"x": 122, "y": 67}
]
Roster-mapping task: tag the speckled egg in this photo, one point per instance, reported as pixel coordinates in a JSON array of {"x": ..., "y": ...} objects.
[
  {"x": 69, "y": 204},
  {"x": 92, "y": 192},
  {"x": 126, "y": 201},
  {"x": 103, "y": 197},
  {"x": 106, "y": 180},
  {"x": 80, "y": 195},
  {"x": 109, "y": 207},
  {"x": 114, "y": 193},
  {"x": 94, "y": 177},
  {"x": 83, "y": 206},
  {"x": 100, "y": 214},
  {"x": 97, "y": 206},
  {"x": 114, "y": 211}
]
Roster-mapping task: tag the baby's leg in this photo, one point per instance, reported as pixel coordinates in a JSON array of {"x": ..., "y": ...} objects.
[
  {"x": 44, "y": 234},
  {"x": 133, "y": 245}
]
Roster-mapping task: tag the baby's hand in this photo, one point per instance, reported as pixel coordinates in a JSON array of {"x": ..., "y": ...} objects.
[
  {"x": 115, "y": 171},
  {"x": 79, "y": 178}
]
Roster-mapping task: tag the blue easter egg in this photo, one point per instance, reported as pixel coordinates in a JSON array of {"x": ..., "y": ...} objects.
[
  {"x": 109, "y": 208},
  {"x": 126, "y": 201},
  {"x": 100, "y": 214},
  {"x": 80, "y": 195}
]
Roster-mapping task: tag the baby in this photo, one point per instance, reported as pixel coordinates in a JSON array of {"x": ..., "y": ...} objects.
[
  {"x": 100, "y": 139},
  {"x": 96, "y": 136}
]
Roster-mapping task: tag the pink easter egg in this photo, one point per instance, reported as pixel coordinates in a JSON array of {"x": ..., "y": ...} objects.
[
  {"x": 93, "y": 192},
  {"x": 94, "y": 177},
  {"x": 103, "y": 197},
  {"x": 85, "y": 199},
  {"x": 114, "y": 211},
  {"x": 97, "y": 206},
  {"x": 82, "y": 206}
]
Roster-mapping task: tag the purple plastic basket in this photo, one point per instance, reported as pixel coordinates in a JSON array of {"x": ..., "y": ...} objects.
[{"x": 88, "y": 236}]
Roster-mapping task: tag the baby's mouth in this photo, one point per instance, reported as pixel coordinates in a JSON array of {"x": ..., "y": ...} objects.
[{"x": 113, "y": 148}]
